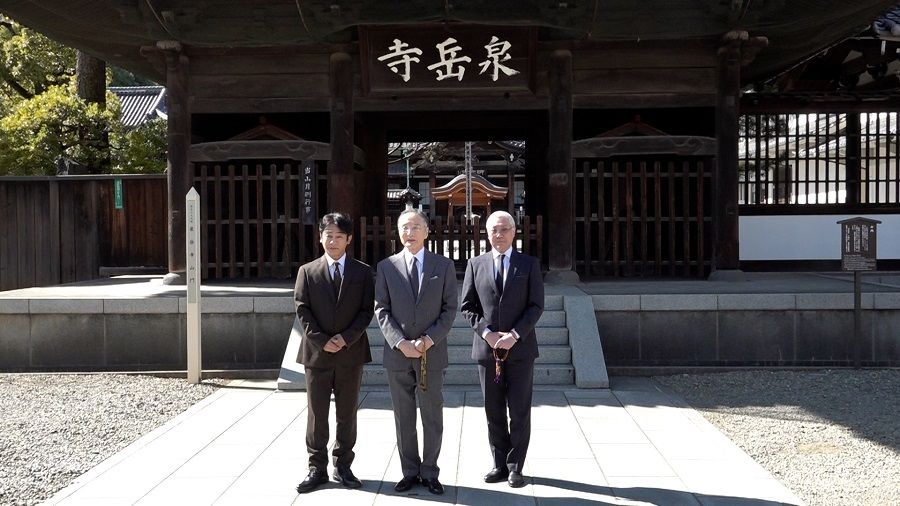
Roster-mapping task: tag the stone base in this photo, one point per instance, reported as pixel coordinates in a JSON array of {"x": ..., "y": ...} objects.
[
  {"x": 561, "y": 277},
  {"x": 292, "y": 375},
  {"x": 728, "y": 275},
  {"x": 175, "y": 279}
]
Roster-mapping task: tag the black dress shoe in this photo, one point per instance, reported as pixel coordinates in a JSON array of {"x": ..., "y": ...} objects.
[
  {"x": 516, "y": 480},
  {"x": 434, "y": 486},
  {"x": 406, "y": 483},
  {"x": 345, "y": 477},
  {"x": 496, "y": 475},
  {"x": 315, "y": 478}
]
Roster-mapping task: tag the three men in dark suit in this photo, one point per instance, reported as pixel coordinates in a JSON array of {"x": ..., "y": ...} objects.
[
  {"x": 334, "y": 300},
  {"x": 415, "y": 304},
  {"x": 502, "y": 299}
]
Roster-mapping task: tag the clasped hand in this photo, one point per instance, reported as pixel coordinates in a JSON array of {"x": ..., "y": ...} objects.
[
  {"x": 414, "y": 348},
  {"x": 500, "y": 340},
  {"x": 335, "y": 344}
]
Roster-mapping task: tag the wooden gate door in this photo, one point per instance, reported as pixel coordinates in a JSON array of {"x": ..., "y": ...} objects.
[
  {"x": 643, "y": 206},
  {"x": 259, "y": 205}
]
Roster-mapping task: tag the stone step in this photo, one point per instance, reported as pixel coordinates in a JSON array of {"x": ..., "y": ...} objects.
[
  {"x": 462, "y": 355},
  {"x": 556, "y": 318},
  {"x": 546, "y": 374},
  {"x": 546, "y": 336}
]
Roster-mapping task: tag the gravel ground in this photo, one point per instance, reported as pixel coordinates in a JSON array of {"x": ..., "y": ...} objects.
[
  {"x": 53, "y": 428},
  {"x": 832, "y": 437}
]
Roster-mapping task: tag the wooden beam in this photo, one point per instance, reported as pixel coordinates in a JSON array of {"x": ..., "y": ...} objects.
[
  {"x": 178, "y": 169},
  {"x": 823, "y": 103},
  {"x": 561, "y": 185}
]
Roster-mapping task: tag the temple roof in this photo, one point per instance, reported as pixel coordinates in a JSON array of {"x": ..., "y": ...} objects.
[
  {"x": 115, "y": 30},
  {"x": 457, "y": 186},
  {"x": 140, "y": 103}
]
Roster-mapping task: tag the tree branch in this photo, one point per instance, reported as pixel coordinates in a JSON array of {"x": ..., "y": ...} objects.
[
  {"x": 8, "y": 78},
  {"x": 5, "y": 23}
]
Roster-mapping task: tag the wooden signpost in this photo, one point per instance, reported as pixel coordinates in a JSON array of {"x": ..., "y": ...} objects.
[
  {"x": 192, "y": 272},
  {"x": 857, "y": 255}
]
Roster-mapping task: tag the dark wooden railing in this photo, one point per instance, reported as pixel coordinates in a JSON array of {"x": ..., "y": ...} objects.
[
  {"x": 62, "y": 229},
  {"x": 644, "y": 217},
  {"x": 253, "y": 224}
]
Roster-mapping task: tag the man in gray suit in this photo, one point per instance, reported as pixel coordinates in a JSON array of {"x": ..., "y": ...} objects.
[
  {"x": 503, "y": 298},
  {"x": 415, "y": 304}
]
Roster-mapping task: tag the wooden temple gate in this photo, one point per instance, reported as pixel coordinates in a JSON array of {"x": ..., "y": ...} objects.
[
  {"x": 260, "y": 208},
  {"x": 644, "y": 206}
]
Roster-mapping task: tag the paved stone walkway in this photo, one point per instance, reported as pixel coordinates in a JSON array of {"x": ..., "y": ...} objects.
[{"x": 633, "y": 444}]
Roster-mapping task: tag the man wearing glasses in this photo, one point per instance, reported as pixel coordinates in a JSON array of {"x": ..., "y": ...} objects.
[
  {"x": 502, "y": 299},
  {"x": 415, "y": 304}
]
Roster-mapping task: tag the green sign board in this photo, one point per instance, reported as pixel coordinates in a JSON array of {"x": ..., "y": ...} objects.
[{"x": 118, "y": 193}]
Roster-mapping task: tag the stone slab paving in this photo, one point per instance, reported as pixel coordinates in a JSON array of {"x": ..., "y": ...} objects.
[{"x": 633, "y": 444}]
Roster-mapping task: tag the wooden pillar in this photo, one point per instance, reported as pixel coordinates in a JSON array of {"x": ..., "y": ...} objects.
[
  {"x": 432, "y": 184},
  {"x": 561, "y": 219},
  {"x": 726, "y": 254},
  {"x": 342, "y": 180},
  {"x": 536, "y": 171},
  {"x": 375, "y": 144},
  {"x": 854, "y": 159},
  {"x": 178, "y": 170},
  {"x": 510, "y": 189}
]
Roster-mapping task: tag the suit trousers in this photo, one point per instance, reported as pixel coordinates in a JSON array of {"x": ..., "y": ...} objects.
[
  {"x": 345, "y": 383},
  {"x": 509, "y": 442},
  {"x": 404, "y": 393}
]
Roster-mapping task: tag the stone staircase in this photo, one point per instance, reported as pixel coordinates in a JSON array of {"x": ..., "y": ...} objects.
[
  {"x": 568, "y": 339},
  {"x": 553, "y": 367}
]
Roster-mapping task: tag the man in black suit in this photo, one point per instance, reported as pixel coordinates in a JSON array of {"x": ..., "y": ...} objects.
[
  {"x": 503, "y": 298},
  {"x": 334, "y": 297},
  {"x": 415, "y": 304}
]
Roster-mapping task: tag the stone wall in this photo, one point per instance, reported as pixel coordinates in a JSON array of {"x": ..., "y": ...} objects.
[{"x": 746, "y": 329}]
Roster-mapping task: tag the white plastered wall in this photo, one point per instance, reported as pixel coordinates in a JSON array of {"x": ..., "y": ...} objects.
[{"x": 810, "y": 237}]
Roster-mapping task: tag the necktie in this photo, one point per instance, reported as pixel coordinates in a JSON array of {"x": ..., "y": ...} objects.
[
  {"x": 414, "y": 278},
  {"x": 337, "y": 279},
  {"x": 499, "y": 278}
]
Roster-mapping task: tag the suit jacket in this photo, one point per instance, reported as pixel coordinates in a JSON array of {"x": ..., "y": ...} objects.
[
  {"x": 400, "y": 317},
  {"x": 519, "y": 308},
  {"x": 322, "y": 315}
]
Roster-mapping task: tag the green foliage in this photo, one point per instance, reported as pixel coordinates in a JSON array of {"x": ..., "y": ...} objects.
[
  {"x": 121, "y": 77},
  {"x": 42, "y": 119},
  {"x": 53, "y": 124},
  {"x": 30, "y": 63},
  {"x": 140, "y": 150},
  {"x": 58, "y": 124}
]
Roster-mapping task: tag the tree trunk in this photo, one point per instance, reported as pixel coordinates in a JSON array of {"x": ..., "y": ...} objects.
[{"x": 91, "y": 86}]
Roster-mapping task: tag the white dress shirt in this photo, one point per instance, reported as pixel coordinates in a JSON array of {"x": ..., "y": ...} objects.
[
  {"x": 495, "y": 256},
  {"x": 408, "y": 258},
  {"x": 342, "y": 261}
]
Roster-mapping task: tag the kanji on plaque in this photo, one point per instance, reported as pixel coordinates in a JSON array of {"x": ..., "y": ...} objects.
[
  {"x": 448, "y": 60},
  {"x": 398, "y": 60},
  {"x": 399, "y": 57},
  {"x": 308, "y": 189},
  {"x": 497, "y": 52}
]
